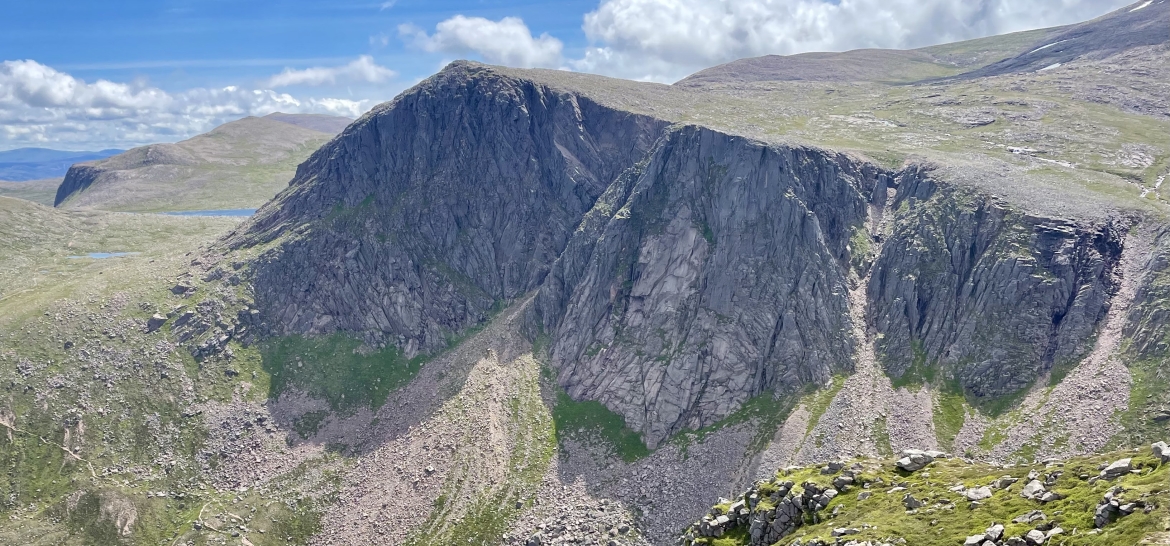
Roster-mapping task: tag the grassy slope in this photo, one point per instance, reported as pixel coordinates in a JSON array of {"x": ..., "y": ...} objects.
[
  {"x": 80, "y": 372},
  {"x": 37, "y": 191},
  {"x": 970, "y": 54},
  {"x": 242, "y": 164}
]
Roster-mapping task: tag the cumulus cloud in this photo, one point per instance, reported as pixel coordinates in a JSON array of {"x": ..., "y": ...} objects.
[
  {"x": 361, "y": 70},
  {"x": 666, "y": 39},
  {"x": 507, "y": 41},
  {"x": 34, "y": 84},
  {"x": 41, "y": 105}
]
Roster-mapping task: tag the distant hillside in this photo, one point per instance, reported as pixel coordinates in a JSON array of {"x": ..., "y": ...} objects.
[
  {"x": 316, "y": 122},
  {"x": 1130, "y": 27},
  {"x": 37, "y": 191},
  {"x": 1133, "y": 26},
  {"x": 23, "y": 164},
  {"x": 881, "y": 65},
  {"x": 241, "y": 164}
]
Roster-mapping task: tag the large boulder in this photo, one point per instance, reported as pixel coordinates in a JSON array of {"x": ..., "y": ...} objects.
[
  {"x": 978, "y": 493},
  {"x": 914, "y": 460},
  {"x": 1118, "y": 469},
  {"x": 1161, "y": 451},
  {"x": 1033, "y": 491}
]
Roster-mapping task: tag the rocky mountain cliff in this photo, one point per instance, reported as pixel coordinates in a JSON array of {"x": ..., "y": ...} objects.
[
  {"x": 992, "y": 296},
  {"x": 711, "y": 272},
  {"x": 432, "y": 209},
  {"x": 680, "y": 271},
  {"x": 539, "y": 307}
]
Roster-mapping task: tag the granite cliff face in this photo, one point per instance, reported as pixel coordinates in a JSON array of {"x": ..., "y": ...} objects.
[
  {"x": 680, "y": 270},
  {"x": 711, "y": 272},
  {"x": 991, "y": 296},
  {"x": 434, "y": 208}
]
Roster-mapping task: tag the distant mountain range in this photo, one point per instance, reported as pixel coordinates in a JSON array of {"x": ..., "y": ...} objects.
[{"x": 23, "y": 164}]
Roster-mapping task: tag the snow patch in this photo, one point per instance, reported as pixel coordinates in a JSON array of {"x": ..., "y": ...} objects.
[
  {"x": 1050, "y": 45},
  {"x": 1050, "y": 67},
  {"x": 1148, "y": 2}
]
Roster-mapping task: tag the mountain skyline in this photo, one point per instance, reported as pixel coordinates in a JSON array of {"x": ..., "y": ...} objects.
[{"x": 77, "y": 76}]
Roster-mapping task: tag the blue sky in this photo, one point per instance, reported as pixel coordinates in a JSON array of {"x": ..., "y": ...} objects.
[
  {"x": 90, "y": 75},
  {"x": 186, "y": 43}
]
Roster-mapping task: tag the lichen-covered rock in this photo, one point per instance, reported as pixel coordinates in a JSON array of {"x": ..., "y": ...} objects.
[
  {"x": 768, "y": 522},
  {"x": 914, "y": 460},
  {"x": 978, "y": 493},
  {"x": 1033, "y": 491}
]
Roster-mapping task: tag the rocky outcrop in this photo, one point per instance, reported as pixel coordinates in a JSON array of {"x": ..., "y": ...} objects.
[
  {"x": 433, "y": 208},
  {"x": 713, "y": 271},
  {"x": 1148, "y": 320},
  {"x": 991, "y": 296},
  {"x": 856, "y": 499},
  {"x": 770, "y": 510}
]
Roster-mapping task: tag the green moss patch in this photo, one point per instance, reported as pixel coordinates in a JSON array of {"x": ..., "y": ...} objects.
[
  {"x": 766, "y": 409},
  {"x": 337, "y": 369},
  {"x": 950, "y": 412},
  {"x": 588, "y": 416}
]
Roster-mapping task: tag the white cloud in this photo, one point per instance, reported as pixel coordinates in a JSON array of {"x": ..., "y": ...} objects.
[
  {"x": 360, "y": 70},
  {"x": 666, "y": 39},
  {"x": 41, "y": 105},
  {"x": 507, "y": 41},
  {"x": 37, "y": 85}
]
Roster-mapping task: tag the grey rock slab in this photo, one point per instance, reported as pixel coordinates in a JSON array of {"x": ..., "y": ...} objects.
[
  {"x": 914, "y": 460},
  {"x": 1117, "y": 469},
  {"x": 978, "y": 493},
  {"x": 1033, "y": 490},
  {"x": 1162, "y": 451},
  {"x": 1035, "y": 538}
]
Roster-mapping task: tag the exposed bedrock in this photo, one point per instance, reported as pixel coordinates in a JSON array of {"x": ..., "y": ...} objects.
[
  {"x": 680, "y": 271},
  {"x": 967, "y": 286},
  {"x": 1148, "y": 321},
  {"x": 432, "y": 208},
  {"x": 711, "y": 272}
]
